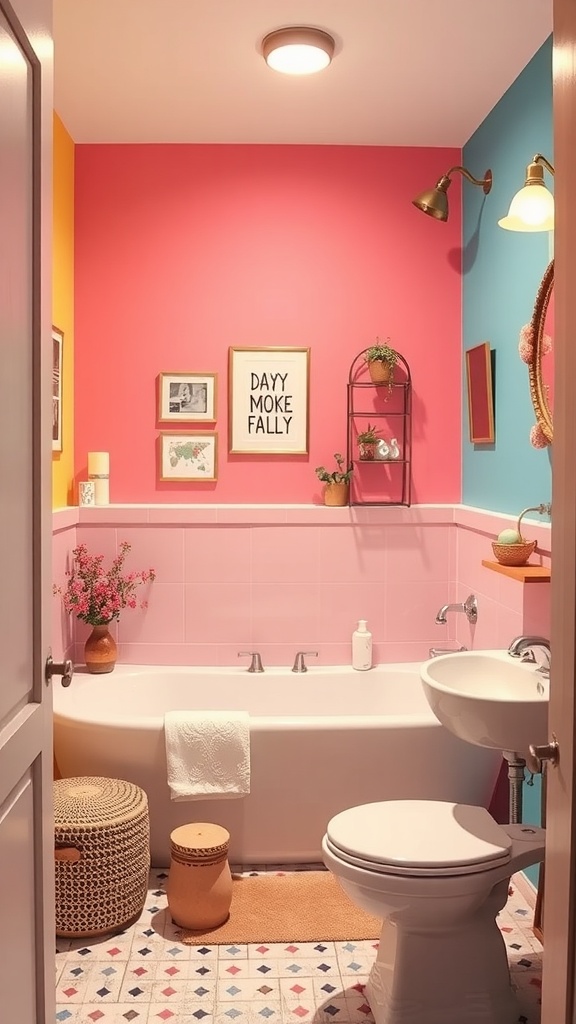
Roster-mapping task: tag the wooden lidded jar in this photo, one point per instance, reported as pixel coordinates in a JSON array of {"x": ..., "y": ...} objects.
[{"x": 200, "y": 884}]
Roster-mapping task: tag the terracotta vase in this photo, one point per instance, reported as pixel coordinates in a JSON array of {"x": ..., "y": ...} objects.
[
  {"x": 336, "y": 494},
  {"x": 100, "y": 651},
  {"x": 380, "y": 372}
]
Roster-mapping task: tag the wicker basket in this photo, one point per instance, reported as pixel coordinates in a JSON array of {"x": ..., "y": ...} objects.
[
  {"x": 513, "y": 554},
  {"x": 102, "y": 855}
]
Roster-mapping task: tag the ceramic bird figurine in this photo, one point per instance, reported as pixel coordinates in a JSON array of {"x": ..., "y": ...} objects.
[
  {"x": 382, "y": 450},
  {"x": 394, "y": 451}
]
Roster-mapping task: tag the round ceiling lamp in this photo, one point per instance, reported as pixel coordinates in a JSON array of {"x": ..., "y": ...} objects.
[{"x": 298, "y": 50}]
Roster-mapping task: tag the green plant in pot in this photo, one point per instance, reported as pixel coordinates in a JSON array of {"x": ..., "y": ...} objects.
[
  {"x": 367, "y": 442},
  {"x": 337, "y": 482},
  {"x": 381, "y": 360}
]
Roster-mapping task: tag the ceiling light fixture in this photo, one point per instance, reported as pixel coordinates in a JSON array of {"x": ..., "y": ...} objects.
[
  {"x": 298, "y": 50},
  {"x": 532, "y": 208},
  {"x": 434, "y": 202}
]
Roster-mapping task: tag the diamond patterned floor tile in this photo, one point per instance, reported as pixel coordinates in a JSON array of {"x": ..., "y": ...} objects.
[{"x": 144, "y": 975}]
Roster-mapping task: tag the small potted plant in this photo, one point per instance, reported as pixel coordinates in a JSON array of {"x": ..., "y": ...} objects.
[
  {"x": 381, "y": 360},
  {"x": 337, "y": 483},
  {"x": 367, "y": 442}
]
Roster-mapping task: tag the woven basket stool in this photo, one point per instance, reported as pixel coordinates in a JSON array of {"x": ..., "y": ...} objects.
[
  {"x": 200, "y": 884},
  {"x": 102, "y": 854}
]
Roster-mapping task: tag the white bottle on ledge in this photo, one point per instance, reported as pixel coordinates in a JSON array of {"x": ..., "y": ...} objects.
[{"x": 362, "y": 647}]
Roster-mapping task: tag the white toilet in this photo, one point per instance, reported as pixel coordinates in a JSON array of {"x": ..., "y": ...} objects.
[{"x": 437, "y": 874}]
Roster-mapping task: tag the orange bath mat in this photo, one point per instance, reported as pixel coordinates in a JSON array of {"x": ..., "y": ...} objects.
[{"x": 303, "y": 906}]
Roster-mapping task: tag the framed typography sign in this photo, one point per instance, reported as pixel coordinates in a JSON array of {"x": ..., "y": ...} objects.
[{"x": 268, "y": 400}]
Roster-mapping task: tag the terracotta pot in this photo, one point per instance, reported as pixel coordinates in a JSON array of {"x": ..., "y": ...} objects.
[
  {"x": 380, "y": 372},
  {"x": 100, "y": 651},
  {"x": 336, "y": 494},
  {"x": 200, "y": 883}
]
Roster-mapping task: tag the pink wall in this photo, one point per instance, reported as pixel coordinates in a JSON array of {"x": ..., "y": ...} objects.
[
  {"x": 182, "y": 251},
  {"x": 285, "y": 579}
]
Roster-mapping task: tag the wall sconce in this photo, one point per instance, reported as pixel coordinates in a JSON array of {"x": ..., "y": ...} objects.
[
  {"x": 298, "y": 50},
  {"x": 532, "y": 208},
  {"x": 434, "y": 202}
]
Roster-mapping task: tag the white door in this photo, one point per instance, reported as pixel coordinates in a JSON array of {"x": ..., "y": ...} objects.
[
  {"x": 26, "y": 829},
  {"x": 558, "y": 993}
]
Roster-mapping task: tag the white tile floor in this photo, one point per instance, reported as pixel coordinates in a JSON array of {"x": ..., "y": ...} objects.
[{"x": 145, "y": 976}]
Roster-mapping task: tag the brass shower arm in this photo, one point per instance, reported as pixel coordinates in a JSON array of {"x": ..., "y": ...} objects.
[{"x": 485, "y": 182}]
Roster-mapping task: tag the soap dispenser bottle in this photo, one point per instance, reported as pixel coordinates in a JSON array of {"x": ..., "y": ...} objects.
[{"x": 362, "y": 647}]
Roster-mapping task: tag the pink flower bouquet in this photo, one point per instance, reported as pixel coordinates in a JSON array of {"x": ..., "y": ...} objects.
[{"x": 97, "y": 595}]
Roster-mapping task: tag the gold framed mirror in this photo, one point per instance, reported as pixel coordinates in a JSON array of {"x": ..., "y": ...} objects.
[{"x": 541, "y": 363}]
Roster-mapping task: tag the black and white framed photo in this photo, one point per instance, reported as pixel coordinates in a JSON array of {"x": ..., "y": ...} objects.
[
  {"x": 186, "y": 397},
  {"x": 191, "y": 456},
  {"x": 57, "y": 348},
  {"x": 268, "y": 400}
]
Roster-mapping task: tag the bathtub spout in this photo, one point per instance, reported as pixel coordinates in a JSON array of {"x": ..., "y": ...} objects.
[{"x": 469, "y": 607}]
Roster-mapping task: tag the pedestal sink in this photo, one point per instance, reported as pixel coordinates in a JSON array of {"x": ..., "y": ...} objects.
[{"x": 488, "y": 698}]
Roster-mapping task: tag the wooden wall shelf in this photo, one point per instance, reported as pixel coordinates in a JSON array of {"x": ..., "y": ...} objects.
[{"x": 523, "y": 573}]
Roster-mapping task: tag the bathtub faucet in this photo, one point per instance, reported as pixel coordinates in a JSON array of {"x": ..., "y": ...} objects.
[
  {"x": 436, "y": 652},
  {"x": 299, "y": 663},
  {"x": 256, "y": 662},
  {"x": 469, "y": 607}
]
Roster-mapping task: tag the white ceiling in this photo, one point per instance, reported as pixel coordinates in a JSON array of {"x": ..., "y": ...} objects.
[{"x": 405, "y": 72}]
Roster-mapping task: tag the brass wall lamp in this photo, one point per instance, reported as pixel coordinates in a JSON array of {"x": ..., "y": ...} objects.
[
  {"x": 434, "y": 202},
  {"x": 532, "y": 208}
]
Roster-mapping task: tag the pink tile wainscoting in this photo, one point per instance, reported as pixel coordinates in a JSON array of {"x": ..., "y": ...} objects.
[{"x": 281, "y": 578}]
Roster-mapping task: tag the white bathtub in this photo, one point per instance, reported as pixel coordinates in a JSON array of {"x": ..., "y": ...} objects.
[{"x": 320, "y": 742}]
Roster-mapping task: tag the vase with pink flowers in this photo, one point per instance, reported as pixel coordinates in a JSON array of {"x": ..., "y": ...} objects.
[{"x": 97, "y": 596}]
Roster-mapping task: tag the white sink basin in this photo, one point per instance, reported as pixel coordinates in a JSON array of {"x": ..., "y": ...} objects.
[{"x": 488, "y": 698}]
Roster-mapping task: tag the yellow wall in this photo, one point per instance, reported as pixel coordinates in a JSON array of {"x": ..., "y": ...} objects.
[{"x": 63, "y": 307}]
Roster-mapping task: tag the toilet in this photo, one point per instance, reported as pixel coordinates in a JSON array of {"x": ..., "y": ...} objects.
[{"x": 437, "y": 874}]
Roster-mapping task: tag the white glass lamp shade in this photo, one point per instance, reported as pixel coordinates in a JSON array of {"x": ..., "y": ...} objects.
[
  {"x": 298, "y": 51},
  {"x": 532, "y": 209}
]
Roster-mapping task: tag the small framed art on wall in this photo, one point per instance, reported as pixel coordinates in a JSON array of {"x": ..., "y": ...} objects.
[{"x": 192, "y": 456}]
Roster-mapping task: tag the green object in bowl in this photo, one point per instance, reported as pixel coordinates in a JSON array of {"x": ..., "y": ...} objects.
[{"x": 509, "y": 537}]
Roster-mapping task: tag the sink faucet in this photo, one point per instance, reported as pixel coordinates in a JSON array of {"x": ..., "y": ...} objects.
[
  {"x": 522, "y": 643},
  {"x": 256, "y": 662},
  {"x": 299, "y": 663},
  {"x": 469, "y": 607},
  {"x": 525, "y": 647}
]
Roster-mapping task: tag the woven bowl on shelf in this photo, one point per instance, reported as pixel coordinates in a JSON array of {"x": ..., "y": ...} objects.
[{"x": 513, "y": 554}]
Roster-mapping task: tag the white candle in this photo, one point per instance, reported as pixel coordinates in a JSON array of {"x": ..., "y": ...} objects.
[{"x": 99, "y": 472}]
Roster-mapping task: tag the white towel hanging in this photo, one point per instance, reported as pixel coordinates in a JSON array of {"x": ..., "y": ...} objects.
[{"x": 207, "y": 754}]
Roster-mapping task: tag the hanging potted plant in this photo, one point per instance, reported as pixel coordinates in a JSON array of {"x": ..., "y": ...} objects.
[
  {"x": 367, "y": 442},
  {"x": 337, "y": 483},
  {"x": 381, "y": 360}
]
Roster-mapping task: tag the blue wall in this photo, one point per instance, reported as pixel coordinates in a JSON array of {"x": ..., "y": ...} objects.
[{"x": 501, "y": 274}]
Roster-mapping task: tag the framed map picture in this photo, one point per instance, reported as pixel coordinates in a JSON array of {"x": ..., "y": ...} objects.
[{"x": 190, "y": 456}]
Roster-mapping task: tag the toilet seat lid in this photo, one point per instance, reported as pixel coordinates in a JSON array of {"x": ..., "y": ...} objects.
[{"x": 413, "y": 837}]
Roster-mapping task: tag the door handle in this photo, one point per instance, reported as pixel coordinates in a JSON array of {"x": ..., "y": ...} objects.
[
  {"x": 58, "y": 668},
  {"x": 545, "y": 752}
]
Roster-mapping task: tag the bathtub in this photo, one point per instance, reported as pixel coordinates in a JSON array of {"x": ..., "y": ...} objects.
[{"x": 320, "y": 742}]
